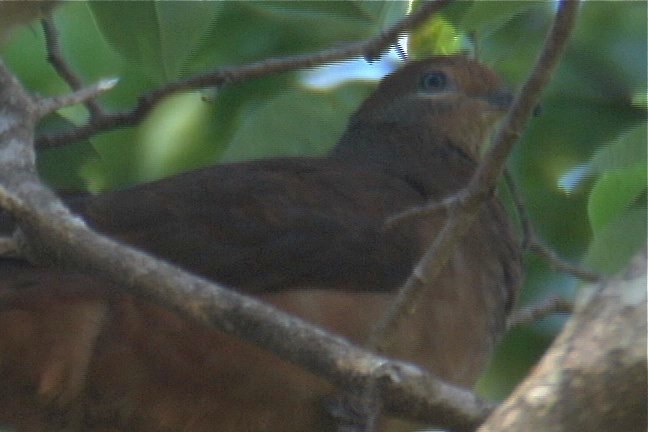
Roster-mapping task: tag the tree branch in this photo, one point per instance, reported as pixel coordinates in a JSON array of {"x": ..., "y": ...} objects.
[
  {"x": 56, "y": 59},
  {"x": 535, "y": 312},
  {"x": 559, "y": 264},
  {"x": 463, "y": 207},
  {"x": 229, "y": 75},
  {"x": 84, "y": 95},
  {"x": 593, "y": 378},
  {"x": 520, "y": 208},
  {"x": 530, "y": 239}
]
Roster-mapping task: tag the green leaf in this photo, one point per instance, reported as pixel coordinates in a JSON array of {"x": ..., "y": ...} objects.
[
  {"x": 118, "y": 159},
  {"x": 176, "y": 127},
  {"x": 484, "y": 18},
  {"x": 297, "y": 122},
  {"x": 617, "y": 242},
  {"x": 623, "y": 152},
  {"x": 613, "y": 194},
  {"x": 156, "y": 36},
  {"x": 461, "y": 24},
  {"x": 62, "y": 168},
  {"x": 374, "y": 12},
  {"x": 640, "y": 99},
  {"x": 437, "y": 37},
  {"x": 249, "y": 31}
]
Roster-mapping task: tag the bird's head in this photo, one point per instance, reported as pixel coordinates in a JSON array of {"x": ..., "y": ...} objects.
[{"x": 454, "y": 97}]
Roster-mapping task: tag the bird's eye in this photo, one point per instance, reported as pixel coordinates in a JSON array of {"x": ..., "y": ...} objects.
[{"x": 434, "y": 81}]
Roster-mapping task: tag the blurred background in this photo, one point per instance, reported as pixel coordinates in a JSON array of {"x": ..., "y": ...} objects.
[{"x": 581, "y": 165}]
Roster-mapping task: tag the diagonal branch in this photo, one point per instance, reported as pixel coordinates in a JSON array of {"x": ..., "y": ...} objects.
[
  {"x": 369, "y": 48},
  {"x": 463, "y": 207}
]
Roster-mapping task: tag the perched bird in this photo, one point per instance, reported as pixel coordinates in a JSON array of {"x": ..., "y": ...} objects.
[{"x": 304, "y": 234}]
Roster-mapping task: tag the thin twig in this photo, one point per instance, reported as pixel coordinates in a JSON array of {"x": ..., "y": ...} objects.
[
  {"x": 530, "y": 240},
  {"x": 464, "y": 206},
  {"x": 533, "y": 313},
  {"x": 49, "y": 105},
  {"x": 236, "y": 74},
  {"x": 559, "y": 264},
  {"x": 417, "y": 212},
  {"x": 56, "y": 59},
  {"x": 520, "y": 209},
  {"x": 400, "y": 50}
]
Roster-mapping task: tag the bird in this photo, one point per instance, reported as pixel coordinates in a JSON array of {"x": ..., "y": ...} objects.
[{"x": 304, "y": 234}]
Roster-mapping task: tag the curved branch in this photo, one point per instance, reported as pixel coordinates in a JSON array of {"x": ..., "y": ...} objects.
[
  {"x": 368, "y": 48},
  {"x": 560, "y": 264},
  {"x": 530, "y": 240}
]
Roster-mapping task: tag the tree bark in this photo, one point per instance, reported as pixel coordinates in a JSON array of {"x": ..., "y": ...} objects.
[{"x": 593, "y": 378}]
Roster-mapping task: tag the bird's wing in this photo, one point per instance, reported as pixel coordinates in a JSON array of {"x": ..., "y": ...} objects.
[{"x": 269, "y": 225}]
